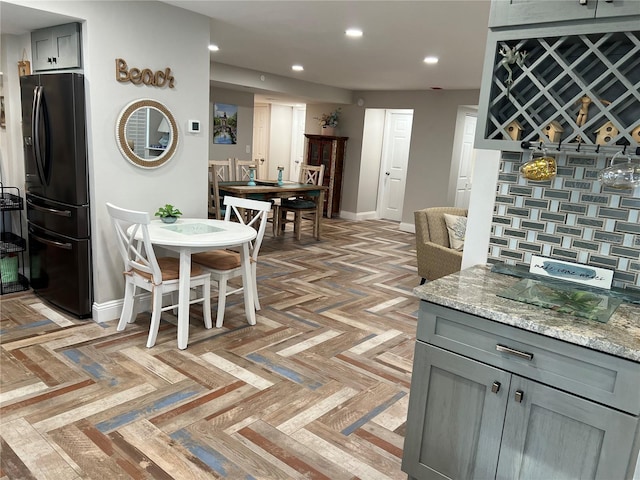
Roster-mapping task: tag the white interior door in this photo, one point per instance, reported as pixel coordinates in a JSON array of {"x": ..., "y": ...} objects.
[
  {"x": 261, "y": 122},
  {"x": 297, "y": 144},
  {"x": 467, "y": 162},
  {"x": 395, "y": 157}
]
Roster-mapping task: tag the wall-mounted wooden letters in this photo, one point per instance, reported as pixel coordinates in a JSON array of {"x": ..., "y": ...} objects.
[{"x": 146, "y": 76}]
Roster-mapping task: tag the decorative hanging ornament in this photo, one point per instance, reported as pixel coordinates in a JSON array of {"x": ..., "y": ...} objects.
[
  {"x": 542, "y": 167},
  {"x": 511, "y": 56},
  {"x": 24, "y": 66}
]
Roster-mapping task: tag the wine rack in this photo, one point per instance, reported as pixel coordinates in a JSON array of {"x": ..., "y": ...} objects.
[{"x": 570, "y": 89}]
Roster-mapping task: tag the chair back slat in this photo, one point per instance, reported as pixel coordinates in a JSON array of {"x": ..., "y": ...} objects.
[
  {"x": 242, "y": 169},
  {"x": 249, "y": 212},
  {"x": 312, "y": 174},
  {"x": 136, "y": 254}
]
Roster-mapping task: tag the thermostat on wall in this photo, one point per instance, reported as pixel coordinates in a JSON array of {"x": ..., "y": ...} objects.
[{"x": 193, "y": 126}]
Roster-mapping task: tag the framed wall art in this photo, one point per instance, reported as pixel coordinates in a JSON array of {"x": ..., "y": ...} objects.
[{"x": 225, "y": 123}]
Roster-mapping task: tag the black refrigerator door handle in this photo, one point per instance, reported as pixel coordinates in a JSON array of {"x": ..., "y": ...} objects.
[
  {"x": 36, "y": 114},
  {"x": 53, "y": 211},
  {"x": 66, "y": 246}
]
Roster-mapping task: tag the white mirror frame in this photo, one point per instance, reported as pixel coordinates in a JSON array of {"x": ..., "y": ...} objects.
[{"x": 121, "y": 137}]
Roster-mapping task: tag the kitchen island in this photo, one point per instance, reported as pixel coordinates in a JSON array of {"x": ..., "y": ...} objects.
[{"x": 505, "y": 389}]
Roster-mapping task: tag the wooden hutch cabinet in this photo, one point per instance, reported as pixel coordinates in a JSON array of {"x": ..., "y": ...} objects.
[{"x": 328, "y": 151}]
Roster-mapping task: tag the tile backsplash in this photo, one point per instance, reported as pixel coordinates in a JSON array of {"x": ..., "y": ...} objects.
[{"x": 571, "y": 217}]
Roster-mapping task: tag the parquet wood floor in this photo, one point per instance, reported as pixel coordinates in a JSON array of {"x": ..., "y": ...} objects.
[{"x": 318, "y": 389}]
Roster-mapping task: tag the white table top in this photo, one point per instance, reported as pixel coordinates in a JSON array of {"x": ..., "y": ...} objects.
[{"x": 200, "y": 232}]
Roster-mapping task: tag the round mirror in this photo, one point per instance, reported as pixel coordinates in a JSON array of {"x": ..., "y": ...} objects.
[{"x": 146, "y": 133}]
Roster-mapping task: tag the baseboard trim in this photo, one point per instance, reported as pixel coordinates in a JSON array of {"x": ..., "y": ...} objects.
[
  {"x": 407, "y": 227},
  {"x": 357, "y": 217},
  {"x": 104, "y": 312}
]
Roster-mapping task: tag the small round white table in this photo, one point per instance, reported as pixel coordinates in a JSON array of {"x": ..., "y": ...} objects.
[{"x": 193, "y": 235}]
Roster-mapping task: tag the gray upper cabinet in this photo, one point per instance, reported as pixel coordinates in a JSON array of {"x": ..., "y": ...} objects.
[
  {"x": 56, "y": 48},
  {"x": 508, "y": 13}
]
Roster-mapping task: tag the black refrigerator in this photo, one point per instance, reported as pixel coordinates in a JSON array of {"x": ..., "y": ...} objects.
[{"x": 57, "y": 190}]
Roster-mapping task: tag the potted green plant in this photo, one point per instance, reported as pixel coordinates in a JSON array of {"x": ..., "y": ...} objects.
[
  {"x": 168, "y": 213},
  {"x": 329, "y": 122}
]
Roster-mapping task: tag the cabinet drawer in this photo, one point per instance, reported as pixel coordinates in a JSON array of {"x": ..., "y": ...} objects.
[{"x": 594, "y": 375}]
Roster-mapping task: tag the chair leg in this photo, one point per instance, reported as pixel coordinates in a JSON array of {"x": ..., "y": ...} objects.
[
  {"x": 127, "y": 308},
  {"x": 297, "y": 226},
  {"x": 156, "y": 312},
  {"x": 206, "y": 303},
  {"x": 222, "y": 300},
  {"x": 254, "y": 282}
]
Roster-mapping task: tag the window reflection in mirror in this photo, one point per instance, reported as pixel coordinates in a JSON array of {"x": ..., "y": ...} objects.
[{"x": 146, "y": 133}]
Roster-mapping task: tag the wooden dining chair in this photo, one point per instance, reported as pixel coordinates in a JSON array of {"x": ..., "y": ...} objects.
[
  {"x": 242, "y": 169},
  {"x": 224, "y": 265},
  {"x": 143, "y": 270},
  {"x": 219, "y": 171},
  {"x": 302, "y": 207}
]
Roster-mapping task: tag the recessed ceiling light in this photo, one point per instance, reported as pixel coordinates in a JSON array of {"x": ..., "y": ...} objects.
[
  {"x": 431, "y": 60},
  {"x": 297, "y": 68},
  {"x": 214, "y": 48},
  {"x": 353, "y": 32}
]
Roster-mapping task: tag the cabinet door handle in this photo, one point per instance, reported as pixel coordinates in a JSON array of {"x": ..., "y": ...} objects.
[
  {"x": 519, "y": 396},
  {"x": 495, "y": 387},
  {"x": 512, "y": 351}
]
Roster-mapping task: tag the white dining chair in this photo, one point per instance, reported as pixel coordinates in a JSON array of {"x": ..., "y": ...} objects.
[
  {"x": 225, "y": 264},
  {"x": 143, "y": 270}
]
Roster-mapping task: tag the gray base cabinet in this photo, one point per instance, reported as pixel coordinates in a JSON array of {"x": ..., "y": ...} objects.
[{"x": 496, "y": 418}]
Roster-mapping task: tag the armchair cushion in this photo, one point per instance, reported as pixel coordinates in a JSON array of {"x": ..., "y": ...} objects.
[
  {"x": 435, "y": 256},
  {"x": 456, "y": 227}
]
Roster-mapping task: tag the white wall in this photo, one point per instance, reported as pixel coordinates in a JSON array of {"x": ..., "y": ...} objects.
[
  {"x": 11, "y": 164},
  {"x": 370, "y": 160},
  {"x": 147, "y": 35},
  {"x": 434, "y": 120},
  {"x": 244, "y": 102},
  {"x": 483, "y": 188}
]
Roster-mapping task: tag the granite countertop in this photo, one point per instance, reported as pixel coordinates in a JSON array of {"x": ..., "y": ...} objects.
[{"x": 474, "y": 291}]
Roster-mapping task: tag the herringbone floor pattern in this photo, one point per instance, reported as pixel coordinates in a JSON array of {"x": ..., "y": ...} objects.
[{"x": 318, "y": 389}]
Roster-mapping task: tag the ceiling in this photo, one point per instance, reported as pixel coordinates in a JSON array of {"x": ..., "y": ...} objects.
[{"x": 270, "y": 36}]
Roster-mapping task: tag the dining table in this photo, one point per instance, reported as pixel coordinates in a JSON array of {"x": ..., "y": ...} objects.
[
  {"x": 193, "y": 235},
  {"x": 272, "y": 189}
]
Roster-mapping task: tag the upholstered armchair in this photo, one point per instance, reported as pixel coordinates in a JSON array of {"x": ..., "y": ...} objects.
[{"x": 436, "y": 258}]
